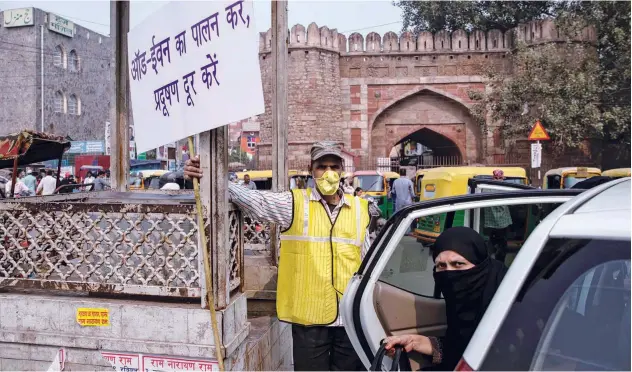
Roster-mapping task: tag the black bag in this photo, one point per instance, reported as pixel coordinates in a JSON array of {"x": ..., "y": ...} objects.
[{"x": 400, "y": 359}]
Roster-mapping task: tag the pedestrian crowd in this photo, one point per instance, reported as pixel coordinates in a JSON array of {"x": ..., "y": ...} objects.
[{"x": 28, "y": 182}]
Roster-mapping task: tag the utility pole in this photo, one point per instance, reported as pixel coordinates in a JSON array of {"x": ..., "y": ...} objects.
[
  {"x": 279, "y": 108},
  {"x": 119, "y": 158}
]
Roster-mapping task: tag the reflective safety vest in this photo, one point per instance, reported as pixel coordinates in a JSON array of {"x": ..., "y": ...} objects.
[{"x": 318, "y": 259}]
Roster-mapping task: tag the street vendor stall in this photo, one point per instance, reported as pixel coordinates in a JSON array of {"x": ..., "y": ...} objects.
[{"x": 29, "y": 147}]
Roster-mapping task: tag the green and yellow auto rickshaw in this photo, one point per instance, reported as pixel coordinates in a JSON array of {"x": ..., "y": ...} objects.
[
  {"x": 617, "y": 173},
  {"x": 419, "y": 176},
  {"x": 451, "y": 181},
  {"x": 377, "y": 185},
  {"x": 565, "y": 178},
  {"x": 145, "y": 179}
]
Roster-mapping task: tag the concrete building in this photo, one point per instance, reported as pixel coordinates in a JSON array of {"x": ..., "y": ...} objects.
[
  {"x": 56, "y": 75},
  {"x": 245, "y": 134}
]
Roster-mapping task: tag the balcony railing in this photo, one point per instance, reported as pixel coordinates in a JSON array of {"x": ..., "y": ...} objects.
[{"x": 126, "y": 243}]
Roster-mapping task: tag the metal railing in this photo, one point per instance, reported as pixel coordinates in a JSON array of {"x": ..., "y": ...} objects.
[{"x": 128, "y": 243}]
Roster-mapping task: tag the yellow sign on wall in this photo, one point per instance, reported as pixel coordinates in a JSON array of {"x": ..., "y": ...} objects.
[{"x": 93, "y": 317}]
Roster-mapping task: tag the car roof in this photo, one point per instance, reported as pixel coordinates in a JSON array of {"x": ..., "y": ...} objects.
[
  {"x": 604, "y": 216},
  {"x": 610, "y": 199}
]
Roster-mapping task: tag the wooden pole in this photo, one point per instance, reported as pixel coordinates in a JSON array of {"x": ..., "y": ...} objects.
[
  {"x": 279, "y": 107},
  {"x": 119, "y": 158},
  {"x": 58, "y": 181},
  {"x": 14, "y": 176},
  {"x": 207, "y": 267}
]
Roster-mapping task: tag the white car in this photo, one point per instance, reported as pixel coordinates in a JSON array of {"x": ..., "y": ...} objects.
[{"x": 564, "y": 304}]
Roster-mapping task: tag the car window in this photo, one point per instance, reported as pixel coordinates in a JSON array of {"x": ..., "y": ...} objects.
[
  {"x": 572, "y": 313},
  {"x": 506, "y": 228},
  {"x": 411, "y": 266}
]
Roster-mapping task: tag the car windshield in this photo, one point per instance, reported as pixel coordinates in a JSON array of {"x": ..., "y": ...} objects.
[
  {"x": 570, "y": 181},
  {"x": 373, "y": 183}
]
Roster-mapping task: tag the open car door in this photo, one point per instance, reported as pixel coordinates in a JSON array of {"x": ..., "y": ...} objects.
[{"x": 394, "y": 292}]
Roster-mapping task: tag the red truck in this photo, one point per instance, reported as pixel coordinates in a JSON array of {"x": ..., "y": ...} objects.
[{"x": 86, "y": 161}]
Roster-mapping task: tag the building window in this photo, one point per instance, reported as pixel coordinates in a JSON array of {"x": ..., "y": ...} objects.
[
  {"x": 74, "y": 61},
  {"x": 250, "y": 142},
  {"x": 60, "y": 102},
  {"x": 74, "y": 105},
  {"x": 59, "y": 57}
]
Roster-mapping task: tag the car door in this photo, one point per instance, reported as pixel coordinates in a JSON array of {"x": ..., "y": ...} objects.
[{"x": 393, "y": 292}]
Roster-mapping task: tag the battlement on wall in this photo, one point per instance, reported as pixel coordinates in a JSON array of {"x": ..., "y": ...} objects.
[{"x": 458, "y": 41}]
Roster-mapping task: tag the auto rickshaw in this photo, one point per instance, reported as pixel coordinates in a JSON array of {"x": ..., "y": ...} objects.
[
  {"x": 146, "y": 179},
  {"x": 299, "y": 179},
  {"x": 377, "y": 185},
  {"x": 419, "y": 176},
  {"x": 444, "y": 182},
  {"x": 565, "y": 178},
  {"x": 616, "y": 173},
  {"x": 261, "y": 178}
]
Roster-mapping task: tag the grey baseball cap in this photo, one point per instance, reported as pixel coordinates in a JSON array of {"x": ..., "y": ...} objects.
[{"x": 324, "y": 148}]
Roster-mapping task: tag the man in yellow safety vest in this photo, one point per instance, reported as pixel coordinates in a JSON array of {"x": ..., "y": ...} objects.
[{"x": 324, "y": 236}]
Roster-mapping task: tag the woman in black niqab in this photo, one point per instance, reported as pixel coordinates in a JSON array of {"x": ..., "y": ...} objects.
[{"x": 468, "y": 279}]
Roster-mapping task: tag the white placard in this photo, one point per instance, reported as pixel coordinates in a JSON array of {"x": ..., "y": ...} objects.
[
  {"x": 61, "y": 25},
  {"x": 107, "y": 138},
  {"x": 132, "y": 150},
  {"x": 18, "y": 17},
  {"x": 161, "y": 153},
  {"x": 193, "y": 66},
  {"x": 536, "y": 155}
]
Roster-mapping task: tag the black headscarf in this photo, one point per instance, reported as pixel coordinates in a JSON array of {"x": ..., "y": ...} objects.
[{"x": 467, "y": 293}]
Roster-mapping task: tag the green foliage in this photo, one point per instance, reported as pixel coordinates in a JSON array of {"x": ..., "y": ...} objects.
[
  {"x": 557, "y": 84},
  {"x": 237, "y": 155},
  {"x": 612, "y": 21},
  {"x": 434, "y": 16},
  {"x": 578, "y": 91}
]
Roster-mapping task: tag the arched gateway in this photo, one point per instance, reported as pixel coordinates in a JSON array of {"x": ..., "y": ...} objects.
[{"x": 436, "y": 119}]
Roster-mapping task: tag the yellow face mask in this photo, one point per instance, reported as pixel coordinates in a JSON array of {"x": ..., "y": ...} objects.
[{"x": 329, "y": 183}]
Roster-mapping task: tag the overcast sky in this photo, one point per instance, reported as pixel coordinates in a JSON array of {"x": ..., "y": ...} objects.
[{"x": 346, "y": 16}]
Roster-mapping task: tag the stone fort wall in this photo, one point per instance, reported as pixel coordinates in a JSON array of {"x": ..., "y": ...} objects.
[{"x": 369, "y": 92}]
